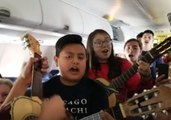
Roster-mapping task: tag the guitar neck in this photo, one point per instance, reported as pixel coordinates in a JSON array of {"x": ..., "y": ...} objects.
[
  {"x": 120, "y": 81},
  {"x": 37, "y": 78},
  {"x": 95, "y": 116},
  {"x": 115, "y": 112},
  {"x": 123, "y": 78},
  {"x": 148, "y": 102}
]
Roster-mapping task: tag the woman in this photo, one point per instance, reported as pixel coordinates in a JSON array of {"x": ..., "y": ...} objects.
[
  {"x": 103, "y": 64},
  {"x": 133, "y": 51}
]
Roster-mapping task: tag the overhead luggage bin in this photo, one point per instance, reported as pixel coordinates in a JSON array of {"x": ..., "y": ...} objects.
[{"x": 21, "y": 12}]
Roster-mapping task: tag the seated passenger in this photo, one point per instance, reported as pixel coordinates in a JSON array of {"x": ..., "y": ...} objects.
[{"x": 5, "y": 87}]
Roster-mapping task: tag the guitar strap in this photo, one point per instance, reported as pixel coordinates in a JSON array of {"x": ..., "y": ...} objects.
[
  {"x": 109, "y": 88},
  {"x": 116, "y": 112},
  {"x": 169, "y": 71}
]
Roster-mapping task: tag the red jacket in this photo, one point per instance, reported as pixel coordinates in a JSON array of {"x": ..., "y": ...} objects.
[{"x": 133, "y": 85}]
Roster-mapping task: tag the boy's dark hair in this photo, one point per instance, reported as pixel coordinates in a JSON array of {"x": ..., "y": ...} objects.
[
  {"x": 0, "y": 76},
  {"x": 149, "y": 31},
  {"x": 139, "y": 36},
  {"x": 135, "y": 40},
  {"x": 67, "y": 39}
]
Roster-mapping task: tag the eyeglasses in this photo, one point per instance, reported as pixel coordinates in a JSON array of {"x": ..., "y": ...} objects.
[{"x": 102, "y": 43}]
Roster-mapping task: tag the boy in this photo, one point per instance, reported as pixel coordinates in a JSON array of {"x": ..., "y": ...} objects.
[
  {"x": 82, "y": 96},
  {"x": 147, "y": 41}
]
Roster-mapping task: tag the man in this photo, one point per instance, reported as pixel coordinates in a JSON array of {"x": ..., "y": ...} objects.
[
  {"x": 147, "y": 41},
  {"x": 139, "y": 36}
]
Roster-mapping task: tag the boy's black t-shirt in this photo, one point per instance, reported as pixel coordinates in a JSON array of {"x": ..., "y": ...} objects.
[{"x": 83, "y": 99}]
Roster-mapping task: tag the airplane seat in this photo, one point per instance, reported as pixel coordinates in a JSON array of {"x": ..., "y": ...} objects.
[
  {"x": 49, "y": 75},
  {"x": 53, "y": 73}
]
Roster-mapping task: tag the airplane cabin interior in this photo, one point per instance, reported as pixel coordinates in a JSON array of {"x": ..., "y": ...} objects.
[{"x": 47, "y": 20}]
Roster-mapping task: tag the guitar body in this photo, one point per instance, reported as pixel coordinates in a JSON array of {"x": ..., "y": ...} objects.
[
  {"x": 25, "y": 108},
  {"x": 111, "y": 96},
  {"x": 29, "y": 108},
  {"x": 152, "y": 101}
]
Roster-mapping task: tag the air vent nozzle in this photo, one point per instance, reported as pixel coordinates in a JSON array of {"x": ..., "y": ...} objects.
[
  {"x": 169, "y": 17},
  {"x": 4, "y": 13}
]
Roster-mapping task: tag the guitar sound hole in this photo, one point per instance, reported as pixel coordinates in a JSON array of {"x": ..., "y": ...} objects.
[{"x": 31, "y": 118}]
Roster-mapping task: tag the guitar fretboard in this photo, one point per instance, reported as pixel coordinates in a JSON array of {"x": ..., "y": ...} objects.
[
  {"x": 120, "y": 81},
  {"x": 95, "y": 116},
  {"x": 37, "y": 79},
  {"x": 115, "y": 112}
]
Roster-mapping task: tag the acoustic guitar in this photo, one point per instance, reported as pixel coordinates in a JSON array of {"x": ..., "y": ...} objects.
[
  {"x": 149, "y": 57},
  {"x": 148, "y": 102},
  {"x": 27, "y": 108}
]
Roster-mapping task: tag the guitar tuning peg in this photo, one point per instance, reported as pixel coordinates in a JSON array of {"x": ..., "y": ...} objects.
[
  {"x": 156, "y": 94},
  {"x": 136, "y": 101},
  {"x": 139, "y": 110},
  {"x": 149, "y": 107},
  {"x": 159, "y": 105},
  {"x": 25, "y": 36},
  {"x": 165, "y": 112},
  {"x": 146, "y": 97},
  {"x": 26, "y": 41},
  {"x": 154, "y": 114},
  {"x": 135, "y": 94},
  {"x": 144, "y": 116},
  {"x": 144, "y": 90}
]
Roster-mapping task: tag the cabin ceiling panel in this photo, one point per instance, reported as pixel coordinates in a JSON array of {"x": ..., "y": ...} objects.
[
  {"x": 157, "y": 10},
  {"x": 136, "y": 13}
]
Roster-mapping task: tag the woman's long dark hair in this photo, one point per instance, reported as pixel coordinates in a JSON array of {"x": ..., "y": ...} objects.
[{"x": 113, "y": 62}]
